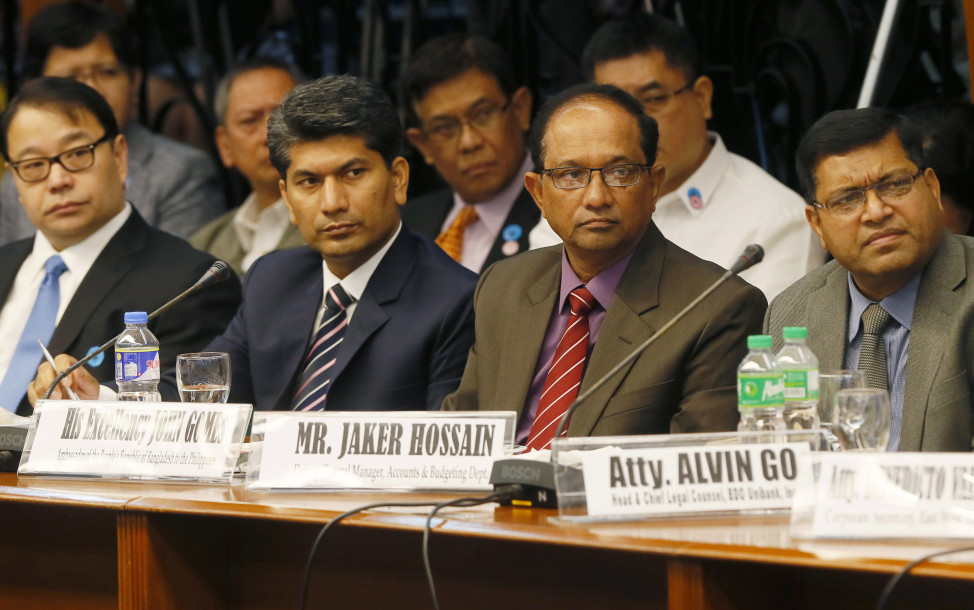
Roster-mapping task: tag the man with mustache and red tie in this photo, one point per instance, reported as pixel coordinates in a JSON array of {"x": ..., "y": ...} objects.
[
  {"x": 551, "y": 322},
  {"x": 369, "y": 316}
]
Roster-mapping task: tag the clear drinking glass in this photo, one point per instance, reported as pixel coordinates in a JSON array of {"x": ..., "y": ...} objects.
[
  {"x": 203, "y": 376},
  {"x": 864, "y": 417},
  {"x": 829, "y": 384}
]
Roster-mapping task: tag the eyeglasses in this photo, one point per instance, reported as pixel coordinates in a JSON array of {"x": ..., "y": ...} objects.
[
  {"x": 75, "y": 160},
  {"x": 570, "y": 178},
  {"x": 657, "y": 100},
  {"x": 891, "y": 190},
  {"x": 482, "y": 117},
  {"x": 95, "y": 74}
]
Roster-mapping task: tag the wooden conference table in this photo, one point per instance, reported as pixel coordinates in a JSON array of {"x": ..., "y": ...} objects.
[{"x": 93, "y": 544}]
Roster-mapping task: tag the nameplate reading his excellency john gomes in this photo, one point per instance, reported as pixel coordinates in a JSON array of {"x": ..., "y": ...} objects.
[
  {"x": 401, "y": 450},
  {"x": 683, "y": 480},
  {"x": 199, "y": 442}
]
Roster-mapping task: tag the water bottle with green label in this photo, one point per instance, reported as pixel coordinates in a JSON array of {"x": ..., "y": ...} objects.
[
  {"x": 760, "y": 388},
  {"x": 800, "y": 367}
]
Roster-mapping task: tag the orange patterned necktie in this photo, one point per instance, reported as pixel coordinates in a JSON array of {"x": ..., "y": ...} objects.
[{"x": 451, "y": 240}]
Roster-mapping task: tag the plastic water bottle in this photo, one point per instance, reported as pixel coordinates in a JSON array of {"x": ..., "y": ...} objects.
[
  {"x": 137, "y": 360},
  {"x": 800, "y": 367},
  {"x": 760, "y": 388}
]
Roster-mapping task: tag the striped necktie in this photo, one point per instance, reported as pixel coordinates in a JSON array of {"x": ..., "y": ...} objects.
[
  {"x": 315, "y": 379},
  {"x": 40, "y": 325},
  {"x": 565, "y": 375}
]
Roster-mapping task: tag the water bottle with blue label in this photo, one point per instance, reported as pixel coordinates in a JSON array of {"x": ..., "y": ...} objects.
[
  {"x": 137, "y": 360},
  {"x": 760, "y": 388}
]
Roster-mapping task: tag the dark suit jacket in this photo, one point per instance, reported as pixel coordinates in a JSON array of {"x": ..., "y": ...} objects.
[
  {"x": 404, "y": 348},
  {"x": 937, "y": 404},
  {"x": 427, "y": 214},
  {"x": 686, "y": 382},
  {"x": 139, "y": 270}
]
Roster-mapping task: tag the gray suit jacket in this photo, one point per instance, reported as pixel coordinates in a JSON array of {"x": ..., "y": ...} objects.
[
  {"x": 686, "y": 382},
  {"x": 174, "y": 187},
  {"x": 219, "y": 238},
  {"x": 940, "y": 358}
]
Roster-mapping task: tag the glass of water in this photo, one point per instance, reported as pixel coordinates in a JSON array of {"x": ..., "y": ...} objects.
[
  {"x": 829, "y": 384},
  {"x": 203, "y": 376},
  {"x": 864, "y": 418}
]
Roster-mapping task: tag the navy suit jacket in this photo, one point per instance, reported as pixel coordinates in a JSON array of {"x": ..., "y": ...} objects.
[
  {"x": 405, "y": 346},
  {"x": 426, "y": 215},
  {"x": 140, "y": 269}
]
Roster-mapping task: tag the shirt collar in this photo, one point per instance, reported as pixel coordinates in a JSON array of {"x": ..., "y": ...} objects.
[
  {"x": 355, "y": 282},
  {"x": 78, "y": 258},
  {"x": 697, "y": 191},
  {"x": 602, "y": 286},
  {"x": 248, "y": 218},
  {"x": 899, "y": 305},
  {"x": 494, "y": 211}
]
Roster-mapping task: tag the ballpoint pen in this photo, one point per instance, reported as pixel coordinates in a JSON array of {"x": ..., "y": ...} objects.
[{"x": 50, "y": 360}]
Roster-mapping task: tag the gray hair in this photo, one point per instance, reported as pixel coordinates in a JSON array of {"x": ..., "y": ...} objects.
[
  {"x": 221, "y": 97},
  {"x": 330, "y": 106}
]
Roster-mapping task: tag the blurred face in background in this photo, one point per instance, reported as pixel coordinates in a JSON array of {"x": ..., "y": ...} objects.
[{"x": 96, "y": 65}]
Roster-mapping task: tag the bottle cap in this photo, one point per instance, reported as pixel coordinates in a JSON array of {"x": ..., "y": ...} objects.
[
  {"x": 136, "y": 317},
  {"x": 794, "y": 332},
  {"x": 759, "y": 342}
]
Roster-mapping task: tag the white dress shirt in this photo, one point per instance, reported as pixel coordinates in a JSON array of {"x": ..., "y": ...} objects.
[
  {"x": 259, "y": 231},
  {"x": 726, "y": 204},
  {"x": 77, "y": 258},
  {"x": 479, "y": 237}
]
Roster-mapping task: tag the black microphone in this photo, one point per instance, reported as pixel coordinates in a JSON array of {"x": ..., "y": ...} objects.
[
  {"x": 537, "y": 477},
  {"x": 217, "y": 272}
]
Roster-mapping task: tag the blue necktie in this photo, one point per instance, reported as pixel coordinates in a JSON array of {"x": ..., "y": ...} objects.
[
  {"x": 40, "y": 325},
  {"x": 315, "y": 379}
]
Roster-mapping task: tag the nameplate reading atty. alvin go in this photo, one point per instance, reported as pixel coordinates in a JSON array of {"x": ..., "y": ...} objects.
[
  {"x": 685, "y": 480},
  {"x": 894, "y": 495},
  {"x": 398, "y": 450},
  {"x": 135, "y": 440}
]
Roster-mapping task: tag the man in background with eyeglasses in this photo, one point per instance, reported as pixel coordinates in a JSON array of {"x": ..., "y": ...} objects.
[
  {"x": 896, "y": 302},
  {"x": 468, "y": 119},
  {"x": 713, "y": 202},
  {"x": 92, "y": 257},
  {"x": 174, "y": 187},
  {"x": 551, "y": 322}
]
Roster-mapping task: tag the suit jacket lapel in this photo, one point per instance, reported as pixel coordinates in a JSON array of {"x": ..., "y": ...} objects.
[
  {"x": 524, "y": 214},
  {"x": 937, "y": 299},
  {"x": 384, "y": 287},
  {"x": 294, "y": 316},
  {"x": 19, "y": 252},
  {"x": 118, "y": 257},
  {"x": 624, "y": 327},
  {"x": 428, "y": 218},
  {"x": 529, "y": 315},
  {"x": 828, "y": 313}
]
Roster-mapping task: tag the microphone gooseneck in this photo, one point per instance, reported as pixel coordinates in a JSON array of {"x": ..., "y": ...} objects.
[{"x": 217, "y": 272}]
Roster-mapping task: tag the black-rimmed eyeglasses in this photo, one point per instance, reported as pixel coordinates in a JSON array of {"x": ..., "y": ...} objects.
[{"x": 77, "y": 159}]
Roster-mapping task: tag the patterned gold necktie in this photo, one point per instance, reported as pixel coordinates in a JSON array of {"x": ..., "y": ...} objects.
[{"x": 451, "y": 240}]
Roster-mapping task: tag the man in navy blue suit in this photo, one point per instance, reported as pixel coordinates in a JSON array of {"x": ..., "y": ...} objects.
[{"x": 370, "y": 316}]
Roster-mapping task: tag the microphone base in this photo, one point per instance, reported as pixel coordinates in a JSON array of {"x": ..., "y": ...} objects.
[
  {"x": 12, "y": 439},
  {"x": 537, "y": 481}
]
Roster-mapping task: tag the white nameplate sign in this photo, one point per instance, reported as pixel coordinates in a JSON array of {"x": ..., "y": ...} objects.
[
  {"x": 895, "y": 495},
  {"x": 686, "y": 480},
  {"x": 138, "y": 440},
  {"x": 388, "y": 450}
]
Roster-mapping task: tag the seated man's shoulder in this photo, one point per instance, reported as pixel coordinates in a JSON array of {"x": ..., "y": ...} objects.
[
  {"x": 524, "y": 268},
  {"x": 170, "y": 152},
  {"x": 435, "y": 266},
  {"x": 764, "y": 189},
  {"x": 203, "y": 239}
]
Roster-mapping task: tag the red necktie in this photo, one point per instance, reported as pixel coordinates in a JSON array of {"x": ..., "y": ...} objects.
[{"x": 565, "y": 376}]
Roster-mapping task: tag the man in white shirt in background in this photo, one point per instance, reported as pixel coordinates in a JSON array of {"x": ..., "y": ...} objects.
[
  {"x": 713, "y": 202},
  {"x": 243, "y": 101}
]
